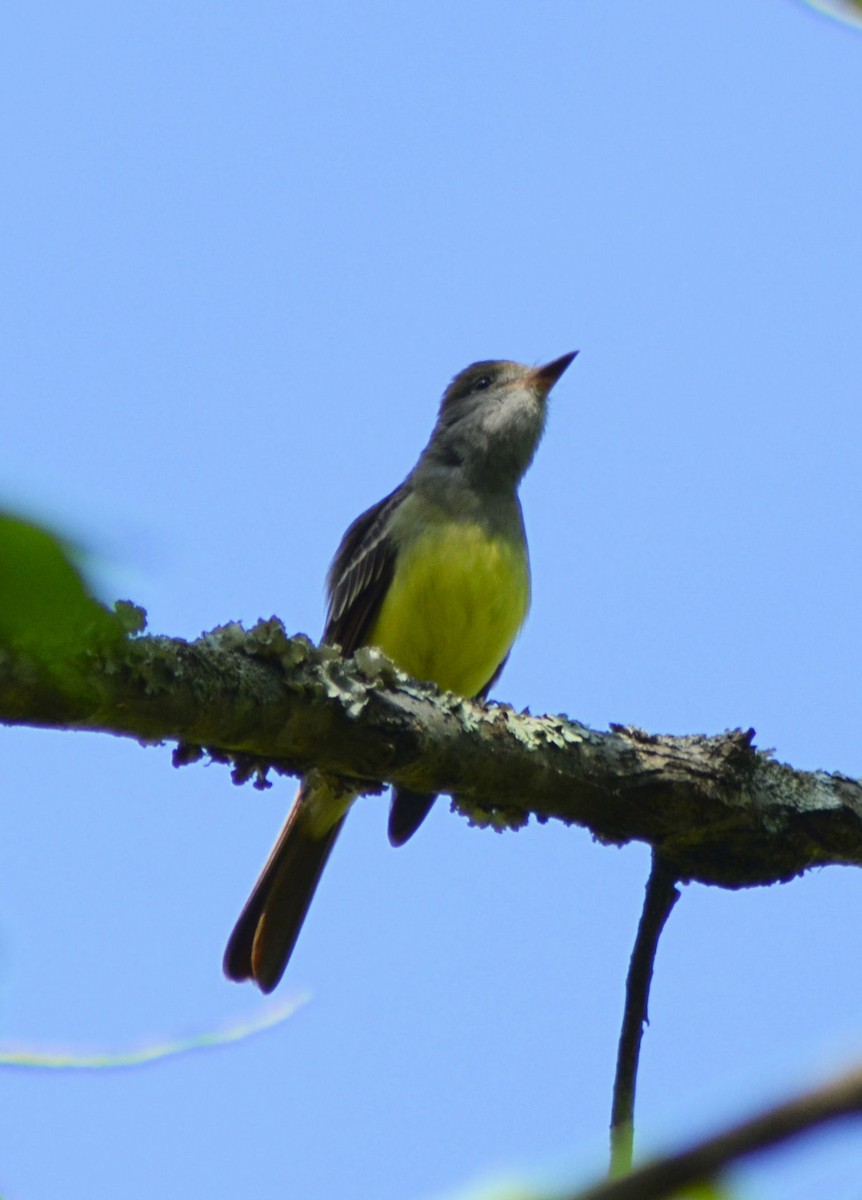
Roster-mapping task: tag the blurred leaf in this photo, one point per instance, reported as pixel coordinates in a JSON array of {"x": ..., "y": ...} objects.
[
  {"x": 505, "y": 1189},
  {"x": 45, "y": 605},
  {"x": 266, "y": 1018},
  {"x": 704, "y": 1191},
  {"x": 502, "y": 1189},
  {"x": 848, "y": 11}
]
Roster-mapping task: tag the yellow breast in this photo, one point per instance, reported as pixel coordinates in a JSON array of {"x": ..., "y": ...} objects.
[{"x": 455, "y": 605}]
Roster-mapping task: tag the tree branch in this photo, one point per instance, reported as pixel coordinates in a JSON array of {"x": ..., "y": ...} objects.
[
  {"x": 718, "y": 810},
  {"x": 661, "y": 896},
  {"x": 664, "y": 1177}
]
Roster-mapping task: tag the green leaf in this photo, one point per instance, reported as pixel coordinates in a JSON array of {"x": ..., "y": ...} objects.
[{"x": 46, "y": 608}]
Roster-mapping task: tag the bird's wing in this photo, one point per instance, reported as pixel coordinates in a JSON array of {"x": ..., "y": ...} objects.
[
  {"x": 361, "y": 573},
  {"x": 482, "y": 694}
]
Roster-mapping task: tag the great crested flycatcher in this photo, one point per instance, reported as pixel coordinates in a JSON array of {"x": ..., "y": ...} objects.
[{"x": 437, "y": 575}]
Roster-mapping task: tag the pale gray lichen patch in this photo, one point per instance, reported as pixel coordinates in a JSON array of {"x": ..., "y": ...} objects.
[
  {"x": 267, "y": 639},
  {"x": 562, "y": 733},
  {"x": 535, "y": 733},
  {"x": 375, "y": 666},
  {"x": 158, "y": 663},
  {"x": 132, "y": 618},
  {"x": 470, "y": 717},
  {"x": 230, "y": 636},
  {"x": 338, "y": 685}
]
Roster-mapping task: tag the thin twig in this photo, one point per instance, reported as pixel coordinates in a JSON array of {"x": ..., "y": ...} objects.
[
  {"x": 661, "y": 895},
  {"x": 841, "y": 1097}
]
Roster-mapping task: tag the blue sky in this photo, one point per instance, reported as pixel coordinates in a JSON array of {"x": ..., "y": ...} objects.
[{"x": 244, "y": 249}]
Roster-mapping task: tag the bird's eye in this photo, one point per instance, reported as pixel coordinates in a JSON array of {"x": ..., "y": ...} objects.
[{"x": 482, "y": 384}]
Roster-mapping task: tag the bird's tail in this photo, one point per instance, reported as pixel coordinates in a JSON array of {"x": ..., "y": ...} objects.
[
  {"x": 263, "y": 938},
  {"x": 406, "y": 814}
]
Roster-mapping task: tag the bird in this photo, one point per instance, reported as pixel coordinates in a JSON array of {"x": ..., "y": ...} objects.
[{"x": 437, "y": 576}]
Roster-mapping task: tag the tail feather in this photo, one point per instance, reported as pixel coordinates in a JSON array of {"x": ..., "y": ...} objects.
[
  {"x": 407, "y": 812},
  {"x": 263, "y": 938}
]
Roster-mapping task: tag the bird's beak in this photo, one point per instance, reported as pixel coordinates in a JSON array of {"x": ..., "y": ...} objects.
[{"x": 548, "y": 375}]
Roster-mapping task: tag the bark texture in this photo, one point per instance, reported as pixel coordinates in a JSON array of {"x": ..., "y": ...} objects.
[{"x": 717, "y": 809}]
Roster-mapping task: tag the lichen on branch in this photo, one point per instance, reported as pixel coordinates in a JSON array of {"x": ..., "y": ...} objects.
[{"x": 717, "y": 809}]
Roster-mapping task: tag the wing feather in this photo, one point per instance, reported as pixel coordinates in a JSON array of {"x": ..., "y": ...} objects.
[{"x": 361, "y": 573}]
